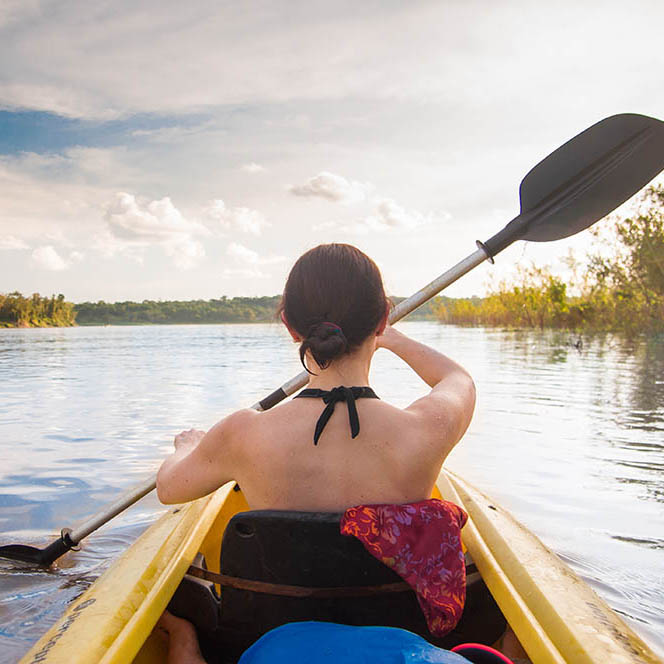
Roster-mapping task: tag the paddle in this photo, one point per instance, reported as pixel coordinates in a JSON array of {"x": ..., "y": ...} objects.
[{"x": 572, "y": 188}]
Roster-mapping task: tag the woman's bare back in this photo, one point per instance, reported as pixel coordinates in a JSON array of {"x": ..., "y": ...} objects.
[
  {"x": 390, "y": 461},
  {"x": 395, "y": 458}
]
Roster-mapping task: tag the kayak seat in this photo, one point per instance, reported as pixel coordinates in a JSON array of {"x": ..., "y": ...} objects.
[{"x": 306, "y": 549}]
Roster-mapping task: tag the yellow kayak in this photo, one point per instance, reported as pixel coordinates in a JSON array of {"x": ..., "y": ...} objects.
[{"x": 554, "y": 614}]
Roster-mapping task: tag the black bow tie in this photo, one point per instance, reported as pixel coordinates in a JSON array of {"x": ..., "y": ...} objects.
[{"x": 331, "y": 398}]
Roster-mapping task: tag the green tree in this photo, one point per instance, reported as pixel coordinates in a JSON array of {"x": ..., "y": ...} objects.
[
  {"x": 620, "y": 288},
  {"x": 35, "y": 311},
  {"x": 626, "y": 289}
]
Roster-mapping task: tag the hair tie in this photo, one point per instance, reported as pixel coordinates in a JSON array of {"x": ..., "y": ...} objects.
[{"x": 334, "y": 326}]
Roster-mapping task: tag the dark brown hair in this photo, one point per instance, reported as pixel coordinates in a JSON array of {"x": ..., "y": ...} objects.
[{"x": 334, "y": 299}]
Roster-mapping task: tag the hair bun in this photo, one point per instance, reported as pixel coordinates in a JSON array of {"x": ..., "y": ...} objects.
[
  {"x": 334, "y": 300},
  {"x": 325, "y": 341}
]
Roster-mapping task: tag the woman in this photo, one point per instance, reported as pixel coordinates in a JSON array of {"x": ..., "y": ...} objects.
[{"x": 289, "y": 457}]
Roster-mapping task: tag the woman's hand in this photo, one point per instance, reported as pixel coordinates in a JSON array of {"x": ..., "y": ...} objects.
[
  {"x": 388, "y": 337},
  {"x": 188, "y": 439}
]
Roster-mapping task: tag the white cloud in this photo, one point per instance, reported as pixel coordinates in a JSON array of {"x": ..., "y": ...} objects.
[
  {"x": 59, "y": 199},
  {"x": 247, "y": 262},
  {"x": 12, "y": 242},
  {"x": 386, "y": 213},
  {"x": 240, "y": 219},
  {"x": 157, "y": 221},
  {"x": 242, "y": 253},
  {"x": 186, "y": 254},
  {"x": 390, "y": 215},
  {"x": 461, "y": 53},
  {"x": 253, "y": 168},
  {"x": 47, "y": 258},
  {"x": 334, "y": 188},
  {"x": 160, "y": 223},
  {"x": 244, "y": 256}
]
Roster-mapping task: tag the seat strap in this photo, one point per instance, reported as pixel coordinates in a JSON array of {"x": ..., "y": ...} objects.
[{"x": 296, "y": 591}]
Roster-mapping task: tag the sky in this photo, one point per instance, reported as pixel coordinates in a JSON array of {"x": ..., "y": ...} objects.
[{"x": 169, "y": 150}]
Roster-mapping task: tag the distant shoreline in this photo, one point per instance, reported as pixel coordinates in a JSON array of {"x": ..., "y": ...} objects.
[
  {"x": 17, "y": 311},
  {"x": 3, "y": 326}
]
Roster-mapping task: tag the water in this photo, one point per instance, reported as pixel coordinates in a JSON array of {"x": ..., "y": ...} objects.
[{"x": 570, "y": 440}]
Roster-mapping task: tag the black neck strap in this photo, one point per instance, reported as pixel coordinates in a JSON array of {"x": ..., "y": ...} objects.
[{"x": 331, "y": 398}]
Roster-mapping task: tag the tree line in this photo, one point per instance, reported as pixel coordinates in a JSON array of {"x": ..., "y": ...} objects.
[
  {"x": 222, "y": 310},
  {"x": 153, "y": 312},
  {"x": 35, "y": 311},
  {"x": 619, "y": 287}
]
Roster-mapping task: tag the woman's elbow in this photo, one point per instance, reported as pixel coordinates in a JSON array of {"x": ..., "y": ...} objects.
[
  {"x": 164, "y": 492},
  {"x": 471, "y": 394},
  {"x": 467, "y": 397}
]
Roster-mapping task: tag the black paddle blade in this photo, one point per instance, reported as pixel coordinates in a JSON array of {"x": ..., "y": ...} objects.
[
  {"x": 31, "y": 554},
  {"x": 591, "y": 175},
  {"x": 585, "y": 179},
  {"x": 21, "y": 552}
]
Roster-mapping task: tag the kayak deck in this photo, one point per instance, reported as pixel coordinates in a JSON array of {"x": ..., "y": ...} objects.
[{"x": 555, "y": 615}]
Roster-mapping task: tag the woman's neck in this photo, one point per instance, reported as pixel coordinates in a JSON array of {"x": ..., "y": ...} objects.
[{"x": 349, "y": 370}]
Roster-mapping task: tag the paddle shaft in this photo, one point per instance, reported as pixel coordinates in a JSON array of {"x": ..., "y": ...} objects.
[
  {"x": 572, "y": 188},
  {"x": 289, "y": 387},
  {"x": 69, "y": 538},
  {"x": 130, "y": 497}
]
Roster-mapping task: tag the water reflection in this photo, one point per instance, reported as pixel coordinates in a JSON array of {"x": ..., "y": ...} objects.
[
  {"x": 637, "y": 448},
  {"x": 568, "y": 436}
]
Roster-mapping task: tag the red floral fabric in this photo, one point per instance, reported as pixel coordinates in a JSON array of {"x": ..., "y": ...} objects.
[{"x": 421, "y": 542}]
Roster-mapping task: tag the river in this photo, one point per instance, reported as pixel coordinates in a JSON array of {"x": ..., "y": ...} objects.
[{"x": 567, "y": 436}]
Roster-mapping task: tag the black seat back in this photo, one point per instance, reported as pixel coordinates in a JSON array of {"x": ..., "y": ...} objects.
[
  {"x": 304, "y": 549},
  {"x": 307, "y": 549}
]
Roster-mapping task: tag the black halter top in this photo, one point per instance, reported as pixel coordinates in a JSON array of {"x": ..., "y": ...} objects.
[{"x": 331, "y": 398}]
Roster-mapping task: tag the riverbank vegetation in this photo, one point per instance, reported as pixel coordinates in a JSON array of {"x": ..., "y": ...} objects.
[
  {"x": 152, "y": 312},
  {"x": 35, "y": 311},
  {"x": 222, "y": 310},
  {"x": 619, "y": 287}
]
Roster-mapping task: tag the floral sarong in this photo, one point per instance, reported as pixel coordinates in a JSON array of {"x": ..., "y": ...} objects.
[{"x": 421, "y": 542}]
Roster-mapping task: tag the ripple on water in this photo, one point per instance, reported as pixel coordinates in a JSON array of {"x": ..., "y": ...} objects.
[
  {"x": 641, "y": 541},
  {"x": 33, "y": 598}
]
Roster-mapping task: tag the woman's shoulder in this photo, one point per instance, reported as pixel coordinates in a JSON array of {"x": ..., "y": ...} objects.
[{"x": 230, "y": 427}]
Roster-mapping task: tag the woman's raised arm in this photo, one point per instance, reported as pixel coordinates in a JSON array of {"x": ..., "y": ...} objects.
[{"x": 449, "y": 407}]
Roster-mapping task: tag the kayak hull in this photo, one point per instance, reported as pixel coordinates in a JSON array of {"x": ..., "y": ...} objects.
[{"x": 555, "y": 615}]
